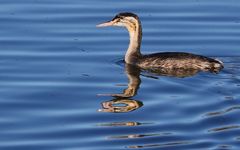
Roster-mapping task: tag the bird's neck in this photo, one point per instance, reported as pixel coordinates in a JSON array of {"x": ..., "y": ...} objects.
[
  {"x": 133, "y": 52},
  {"x": 134, "y": 80}
]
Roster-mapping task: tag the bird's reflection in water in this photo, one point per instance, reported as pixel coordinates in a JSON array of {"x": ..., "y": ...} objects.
[
  {"x": 134, "y": 81},
  {"x": 120, "y": 105},
  {"x": 123, "y": 103}
]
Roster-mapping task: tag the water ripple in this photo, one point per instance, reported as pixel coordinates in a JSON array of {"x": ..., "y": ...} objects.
[
  {"x": 223, "y": 112},
  {"x": 170, "y": 145},
  {"x": 226, "y": 128}
]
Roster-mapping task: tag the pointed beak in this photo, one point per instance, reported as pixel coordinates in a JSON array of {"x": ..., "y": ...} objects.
[{"x": 106, "y": 24}]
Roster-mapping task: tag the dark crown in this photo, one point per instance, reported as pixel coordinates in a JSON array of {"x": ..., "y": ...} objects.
[{"x": 125, "y": 14}]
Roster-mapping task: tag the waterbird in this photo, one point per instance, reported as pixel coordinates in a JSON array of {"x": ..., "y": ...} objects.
[{"x": 163, "y": 60}]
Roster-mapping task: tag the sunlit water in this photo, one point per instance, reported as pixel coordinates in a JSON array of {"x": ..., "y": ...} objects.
[{"x": 58, "y": 72}]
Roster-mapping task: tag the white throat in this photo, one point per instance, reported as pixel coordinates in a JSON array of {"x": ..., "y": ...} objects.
[{"x": 135, "y": 33}]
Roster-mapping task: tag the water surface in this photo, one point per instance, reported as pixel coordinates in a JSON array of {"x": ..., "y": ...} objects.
[{"x": 58, "y": 71}]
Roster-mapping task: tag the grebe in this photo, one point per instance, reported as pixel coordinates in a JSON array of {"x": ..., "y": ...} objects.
[{"x": 164, "y": 60}]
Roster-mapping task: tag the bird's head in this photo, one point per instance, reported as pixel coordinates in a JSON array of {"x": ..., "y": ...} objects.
[{"x": 125, "y": 19}]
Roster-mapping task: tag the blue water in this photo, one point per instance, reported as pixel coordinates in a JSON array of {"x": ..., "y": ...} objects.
[{"x": 59, "y": 73}]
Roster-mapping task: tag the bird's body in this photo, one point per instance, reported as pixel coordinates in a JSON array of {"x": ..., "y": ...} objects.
[
  {"x": 178, "y": 60},
  {"x": 163, "y": 60}
]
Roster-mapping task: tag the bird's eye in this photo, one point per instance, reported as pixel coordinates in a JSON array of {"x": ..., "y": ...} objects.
[{"x": 119, "y": 19}]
